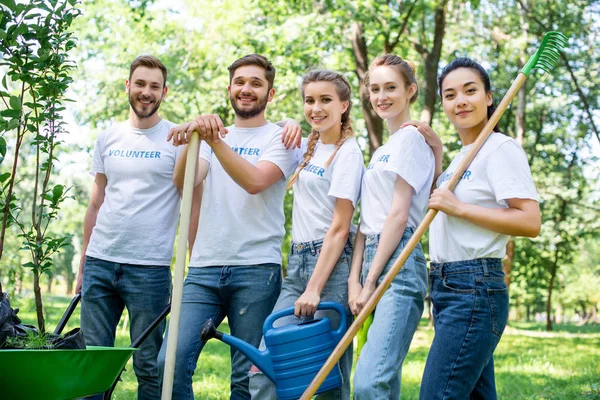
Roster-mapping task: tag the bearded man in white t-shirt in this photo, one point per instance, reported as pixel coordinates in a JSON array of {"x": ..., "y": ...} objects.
[
  {"x": 130, "y": 224},
  {"x": 235, "y": 266}
]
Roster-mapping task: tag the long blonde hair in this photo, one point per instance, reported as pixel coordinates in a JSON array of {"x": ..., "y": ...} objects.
[{"x": 344, "y": 92}]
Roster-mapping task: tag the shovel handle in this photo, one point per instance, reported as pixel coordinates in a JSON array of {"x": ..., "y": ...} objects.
[{"x": 180, "y": 264}]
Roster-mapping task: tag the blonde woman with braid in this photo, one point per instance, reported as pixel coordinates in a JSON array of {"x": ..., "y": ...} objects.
[
  {"x": 395, "y": 192},
  {"x": 326, "y": 189}
]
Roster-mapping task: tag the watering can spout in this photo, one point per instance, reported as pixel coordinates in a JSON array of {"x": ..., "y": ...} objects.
[{"x": 259, "y": 358}]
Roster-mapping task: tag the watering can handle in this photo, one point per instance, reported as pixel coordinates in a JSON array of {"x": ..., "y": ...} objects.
[{"x": 326, "y": 305}]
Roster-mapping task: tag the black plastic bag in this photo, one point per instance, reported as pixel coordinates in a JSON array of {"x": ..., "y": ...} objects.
[
  {"x": 70, "y": 340},
  {"x": 11, "y": 326},
  {"x": 9, "y": 321}
]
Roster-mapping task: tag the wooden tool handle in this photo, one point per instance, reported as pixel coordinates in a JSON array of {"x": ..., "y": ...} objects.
[{"x": 180, "y": 261}]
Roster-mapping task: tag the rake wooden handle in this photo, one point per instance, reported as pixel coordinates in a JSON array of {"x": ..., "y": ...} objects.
[
  {"x": 412, "y": 243},
  {"x": 182, "y": 245}
]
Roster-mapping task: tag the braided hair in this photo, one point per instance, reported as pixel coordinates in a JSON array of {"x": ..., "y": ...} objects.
[{"x": 344, "y": 92}]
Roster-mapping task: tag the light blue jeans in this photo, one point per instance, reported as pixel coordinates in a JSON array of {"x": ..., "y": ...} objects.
[
  {"x": 301, "y": 265},
  {"x": 397, "y": 315},
  {"x": 107, "y": 288},
  {"x": 245, "y": 295}
]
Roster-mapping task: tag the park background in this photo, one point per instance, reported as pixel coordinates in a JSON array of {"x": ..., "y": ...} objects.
[{"x": 551, "y": 347}]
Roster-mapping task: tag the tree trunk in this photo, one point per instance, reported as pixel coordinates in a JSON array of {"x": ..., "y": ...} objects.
[
  {"x": 568, "y": 184},
  {"x": 507, "y": 261},
  {"x": 69, "y": 279},
  {"x": 430, "y": 309},
  {"x": 522, "y": 93},
  {"x": 518, "y": 310},
  {"x": 19, "y": 280},
  {"x": 550, "y": 289},
  {"x": 39, "y": 307},
  {"x": 583, "y": 314},
  {"x": 49, "y": 284},
  {"x": 432, "y": 59},
  {"x": 373, "y": 123},
  {"x": 528, "y": 312}
]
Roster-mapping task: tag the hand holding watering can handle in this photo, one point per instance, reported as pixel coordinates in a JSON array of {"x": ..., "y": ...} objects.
[{"x": 326, "y": 305}]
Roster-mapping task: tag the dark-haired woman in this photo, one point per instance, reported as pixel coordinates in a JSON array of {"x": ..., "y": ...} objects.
[{"x": 495, "y": 199}]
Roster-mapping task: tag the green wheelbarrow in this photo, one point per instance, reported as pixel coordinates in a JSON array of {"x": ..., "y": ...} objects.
[{"x": 66, "y": 374}]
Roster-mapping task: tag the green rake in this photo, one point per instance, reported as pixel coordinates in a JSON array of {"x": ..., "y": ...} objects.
[
  {"x": 545, "y": 59},
  {"x": 548, "y": 53}
]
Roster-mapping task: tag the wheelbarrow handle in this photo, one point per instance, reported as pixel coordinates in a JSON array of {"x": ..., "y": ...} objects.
[
  {"x": 69, "y": 311},
  {"x": 137, "y": 342},
  {"x": 153, "y": 325}
]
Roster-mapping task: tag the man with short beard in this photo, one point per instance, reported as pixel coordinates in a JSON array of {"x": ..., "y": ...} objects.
[
  {"x": 130, "y": 224},
  {"x": 235, "y": 266}
]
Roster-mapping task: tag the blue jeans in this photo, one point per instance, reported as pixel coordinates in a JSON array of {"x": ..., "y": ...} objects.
[
  {"x": 396, "y": 318},
  {"x": 107, "y": 288},
  {"x": 301, "y": 265},
  {"x": 245, "y": 295},
  {"x": 470, "y": 310}
]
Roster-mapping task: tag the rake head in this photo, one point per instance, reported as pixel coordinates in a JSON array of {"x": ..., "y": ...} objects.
[{"x": 547, "y": 55}]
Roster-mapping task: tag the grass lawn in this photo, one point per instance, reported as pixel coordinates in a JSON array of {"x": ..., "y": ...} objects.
[{"x": 530, "y": 363}]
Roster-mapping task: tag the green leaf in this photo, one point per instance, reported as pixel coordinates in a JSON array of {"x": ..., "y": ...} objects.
[
  {"x": 12, "y": 124},
  {"x": 11, "y": 113},
  {"x": 2, "y": 147},
  {"x": 4, "y": 82},
  {"x": 9, "y": 3},
  {"x": 57, "y": 192},
  {"x": 28, "y": 264},
  {"x": 15, "y": 102},
  {"x": 4, "y": 177},
  {"x": 32, "y": 16}
]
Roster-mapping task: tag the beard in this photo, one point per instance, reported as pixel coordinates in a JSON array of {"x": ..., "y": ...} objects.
[
  {"x": 260, "y": 106},
  {"x": 142, "y": 114}
]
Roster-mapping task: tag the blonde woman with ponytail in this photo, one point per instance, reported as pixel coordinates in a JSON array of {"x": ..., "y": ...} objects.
[
  {"x": 326, "y": 189},
  {"x": 395, "y": 192}
]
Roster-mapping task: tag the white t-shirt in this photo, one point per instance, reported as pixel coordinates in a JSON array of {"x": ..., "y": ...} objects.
[
  {"x": 500, "y": 171},
  {"x": 237, "y": 228},
  {"x": 407, "y": 155},
  {"x": 137, "y": 221},
  {"x": 319, "y": 186}
]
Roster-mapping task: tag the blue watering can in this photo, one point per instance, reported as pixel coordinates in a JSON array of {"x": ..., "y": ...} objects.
[{"x": 294, "y": 353}]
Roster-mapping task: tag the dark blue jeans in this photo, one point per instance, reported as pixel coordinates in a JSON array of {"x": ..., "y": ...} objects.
[
  {"x": 470, "y": 311},
  {"x": 245, "y": 295},
  {"x": 109, "y": 287}
]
